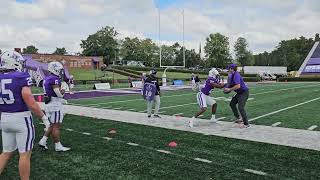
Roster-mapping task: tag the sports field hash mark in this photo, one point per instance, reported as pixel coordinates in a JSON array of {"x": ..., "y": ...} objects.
[
  {"x": 202, "y": 160},
  {"x": 164, "y": 151},
  {"x": 256, "y": 172},
  {"x": 276, "y": 124},
  {"x": 132, "y": 144},
  {"x": 311, "y": 128}
]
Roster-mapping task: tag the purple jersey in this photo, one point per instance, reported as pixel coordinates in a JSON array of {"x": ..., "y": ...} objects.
[
  {"x": 208, "y": 87},
  {"x": 11, "y": 100},
  {"x": 234, "y": 79},
  {"x": 48, "y": 82}
]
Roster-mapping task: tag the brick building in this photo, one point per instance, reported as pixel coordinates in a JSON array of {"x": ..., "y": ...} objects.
[{"x": 71, "y": 61}]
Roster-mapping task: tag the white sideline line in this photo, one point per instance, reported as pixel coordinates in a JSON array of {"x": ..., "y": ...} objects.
[
  {"x": 202, "y": 160},
  {"x": 162, "y": 112},
  {"x": 311, "y": 128},
  {"x": 143, "y": 111},
  {"x": 201, "y": 115},
  {"x": 107, "y": 138},
  {"x": 280, "y": 110},
  {"x": 256, "y": 172},
  {"x": 118, "y": 108},
  {"x": 163, "y": 151},
  {"x": 178, "y": 114},
  {"x": 276, "y": 124},
  {"x": 85, "y": 133},
  {"x": 283, "y": 89},
  {"x": 132, "y": 144},
  {"x": 69, "y": 129}
]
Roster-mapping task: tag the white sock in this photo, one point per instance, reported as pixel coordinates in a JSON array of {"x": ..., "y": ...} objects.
[
  {"x": 58, "y": 144},
  {"x": 213, "y": 116},
  {"x": 44, "y": 139}
]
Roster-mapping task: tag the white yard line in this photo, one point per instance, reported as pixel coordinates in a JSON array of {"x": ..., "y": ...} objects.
[
  {"x": 85, "y": 133},
  {"x": 284, "y": 109},
  {"x": 276, "y": 124},
  {"x": 220, "y": 118},
  {"x": 255, "y": 172},
  {"x": 286, "y": 89},
  {"x": 140, "y": 99},
  {"x": 202, "y": 160},
  {"x": 132, "y": 144},
  {"x": 311, "y": 128},
  {"x": 164, "y": 151}
]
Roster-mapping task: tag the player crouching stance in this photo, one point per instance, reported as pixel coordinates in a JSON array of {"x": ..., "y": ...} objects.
[
  {"x": 16, "y": 120},
  {"x": 203, "y": 97},
  {"x": 53, "y": 108}
]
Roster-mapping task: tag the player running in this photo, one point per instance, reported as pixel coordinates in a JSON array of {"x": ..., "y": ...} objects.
[
  {"x": 203, "y": 97},
  {"x": 16, "y": 101},
  {"x": 53, "y": 99}
]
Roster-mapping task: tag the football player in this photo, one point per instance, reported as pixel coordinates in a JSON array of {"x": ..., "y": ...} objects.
[
  {"x": 203, "y": 97},
  {"x": 53, "y": 108},
  {"x": 16, "y": 101}
]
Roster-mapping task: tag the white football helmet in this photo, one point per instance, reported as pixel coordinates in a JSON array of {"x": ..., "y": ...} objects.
[
  {"x": 55, "y": 68},
  {"x": 12, "y": 60},
  {"x": 213, "y": 73}
]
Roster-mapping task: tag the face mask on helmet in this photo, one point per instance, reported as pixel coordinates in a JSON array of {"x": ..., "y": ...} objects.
[
  {"x": 11, "y": 60},
  {"x": 56, "y": 68}
]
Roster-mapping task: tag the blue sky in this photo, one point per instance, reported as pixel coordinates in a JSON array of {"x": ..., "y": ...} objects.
[{"x": 64, "y": 23}]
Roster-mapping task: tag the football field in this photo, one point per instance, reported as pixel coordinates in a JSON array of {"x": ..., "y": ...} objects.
[
  {"x": 141, "y": 152},
  {"x": 292, "y": 105}
]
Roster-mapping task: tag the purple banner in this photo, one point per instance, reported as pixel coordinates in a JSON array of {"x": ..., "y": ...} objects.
[
  {"x": 312, "y": 69},
  {"x": 314, "y": 61},
  {"x": 149, "y": 91}
]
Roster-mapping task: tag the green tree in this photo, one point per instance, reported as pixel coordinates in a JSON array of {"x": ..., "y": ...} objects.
[
  {"x": 30, "y": 50},
  {"x": 102, "y": 43},
  {"x": 242, "y": 54},
  {"x": 217, "y": 50},
  {"x": 60, "y": 51}
]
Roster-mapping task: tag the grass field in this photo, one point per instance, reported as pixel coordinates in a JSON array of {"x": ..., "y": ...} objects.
[
  {"x": 264, "y": 99},
  {"x": 141, "y": 152},
  {"x": 94, "y": 157},
  {"x": 87, "y": 74}
]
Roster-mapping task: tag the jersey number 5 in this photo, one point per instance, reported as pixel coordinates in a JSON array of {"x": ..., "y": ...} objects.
[{"x": 6, "y": 94}]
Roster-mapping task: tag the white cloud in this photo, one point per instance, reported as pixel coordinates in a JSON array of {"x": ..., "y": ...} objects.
[{"x": 56, "y": 23}]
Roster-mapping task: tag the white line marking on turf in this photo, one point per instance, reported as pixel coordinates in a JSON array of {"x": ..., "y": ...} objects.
[
  {"x": 201, "y": 115},
  {"x": 85, "y": 133},
  {"x": 283, "y": 90},
  {"x": 202, "y": 160},
  {"x": 118, "y": 108},
  {"x": 255, "y": 172},
  {"x": 140, "y": 99},
  {"x": 280, "y": 110},
  {"x": 276, "y": 124},
  {"x": 132, "y": 144},
  {"x": 221, "y": 118},
  {"x": 162, "y": 112},
  {"x": 178, "y": 114},
  {"x": 142, "y": 111},
  {"x": 69, "y": 129},
  {"x": 164, "y": 151},
  {"x": 311, "y": 128},
  {"x": 107, "y": 138}
]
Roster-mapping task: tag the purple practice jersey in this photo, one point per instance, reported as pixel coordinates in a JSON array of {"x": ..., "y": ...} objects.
[
  {"x": 208, "y": 87},
  {"x": 48, "y": 82},
  {"x": 11, "y": 100},
  {"x": 234, "y": 79}
]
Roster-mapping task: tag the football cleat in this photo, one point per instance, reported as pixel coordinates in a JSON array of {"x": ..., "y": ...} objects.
[
  {"x": 62, "y": 149},
  {"x": 191, "y": 123},
  {"x": 156, "y": 116},
  {"x": 43, "y": 145}
]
